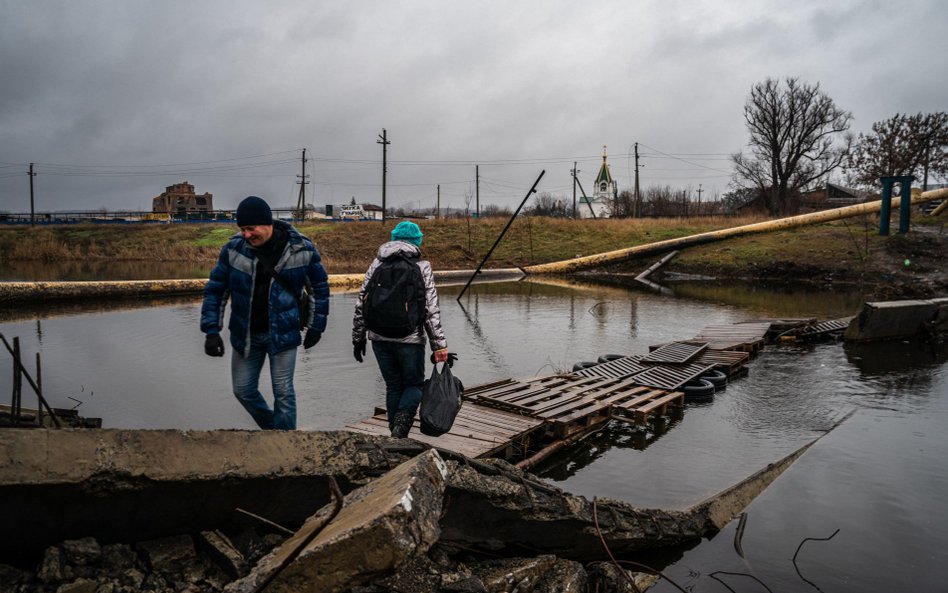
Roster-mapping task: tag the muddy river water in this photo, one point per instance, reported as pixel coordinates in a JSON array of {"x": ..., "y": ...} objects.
[{"x": 880, "y": 478}]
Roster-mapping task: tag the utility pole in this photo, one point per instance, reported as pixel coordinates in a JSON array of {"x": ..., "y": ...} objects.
[
  {"x": 301, "y": 201},
  {"x": 573, "y": 173},
  {"x": 638, "y": 201},
  {"x": 383, "y": 140},
  {"x": 477, "y": 191},
  {"x": 32, "y": 213},
  {"x": 699, "y": 193},
  {"x": 438, "y": 206}
]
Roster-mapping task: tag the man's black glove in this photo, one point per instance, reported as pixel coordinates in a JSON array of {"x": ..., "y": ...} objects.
[
  {"x": 358, "y": 350},
  {"x": 311, "y": 338},
  {"x": 214, "y": 345},
  {"x": 452, "y": 356}
]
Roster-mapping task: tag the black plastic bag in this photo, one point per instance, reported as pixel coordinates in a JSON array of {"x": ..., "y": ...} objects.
[{"x": 440, "y": 401}]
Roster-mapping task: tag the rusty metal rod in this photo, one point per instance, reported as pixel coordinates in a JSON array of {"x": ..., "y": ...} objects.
[
  {"x": 265, "y": 521},
  {"x": 39, "y": 383},
  {"x": 36, "y": 389},
  {"x": 17, "y": 384},
  {"x": 501, "y": 236}
]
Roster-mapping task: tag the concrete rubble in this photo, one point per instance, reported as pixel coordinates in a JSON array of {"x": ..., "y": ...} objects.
[
  {"x": 380, "y": 526},
  {"x": 413, "y": 519}
]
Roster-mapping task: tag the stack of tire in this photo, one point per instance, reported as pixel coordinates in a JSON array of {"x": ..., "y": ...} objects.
[
  {"x": 604, "y": 358},
  {"x": 703, "y": 387}
]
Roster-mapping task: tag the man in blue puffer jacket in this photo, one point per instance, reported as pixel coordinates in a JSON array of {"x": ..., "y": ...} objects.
[{"x": 265, "y": 315}]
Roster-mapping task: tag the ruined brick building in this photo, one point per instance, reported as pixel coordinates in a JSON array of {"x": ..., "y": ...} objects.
[{"x": 180, "y": 197}]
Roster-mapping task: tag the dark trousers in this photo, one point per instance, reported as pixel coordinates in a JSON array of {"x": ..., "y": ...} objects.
[{"x": 403, "y": 369}]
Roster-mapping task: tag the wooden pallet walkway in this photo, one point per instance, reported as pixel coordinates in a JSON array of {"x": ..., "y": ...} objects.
[
  {"x": 748, "y": 337},
  {"x": 478, "y": 431},
  {"x": 508, "y": 417}
]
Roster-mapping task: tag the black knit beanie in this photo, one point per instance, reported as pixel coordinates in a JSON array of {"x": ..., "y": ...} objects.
[{"x": 253, "y": 211}]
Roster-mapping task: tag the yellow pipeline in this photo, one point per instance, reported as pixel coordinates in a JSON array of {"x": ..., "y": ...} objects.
[
  {"x": 32, "y": 292},
  {"x": 940, "y": 208},
  {"x": 611, "y": 257}
]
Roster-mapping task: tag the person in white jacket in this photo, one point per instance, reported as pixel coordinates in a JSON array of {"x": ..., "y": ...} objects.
[{"x": 401, "y": 359}]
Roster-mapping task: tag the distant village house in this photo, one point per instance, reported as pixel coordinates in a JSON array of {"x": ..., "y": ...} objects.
[
  {"x": 181, "y": 198},
  {"x": 832, "y": 196}
]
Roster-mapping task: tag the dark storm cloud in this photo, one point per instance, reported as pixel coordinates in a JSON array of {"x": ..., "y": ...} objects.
[{"x": 152, "y": 93}]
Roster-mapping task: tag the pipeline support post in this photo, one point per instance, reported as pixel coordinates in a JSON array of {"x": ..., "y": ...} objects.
[{"x": 905, "y": 203}]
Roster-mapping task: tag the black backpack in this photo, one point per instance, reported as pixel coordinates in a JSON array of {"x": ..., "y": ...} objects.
[{"x": 394, "y": 302}]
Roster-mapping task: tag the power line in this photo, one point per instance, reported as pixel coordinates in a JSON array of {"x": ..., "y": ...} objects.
[{"x": 684, "y": 160}]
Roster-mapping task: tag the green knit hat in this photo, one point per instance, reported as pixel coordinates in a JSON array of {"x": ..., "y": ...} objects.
[{"x": 407, "y": 231}]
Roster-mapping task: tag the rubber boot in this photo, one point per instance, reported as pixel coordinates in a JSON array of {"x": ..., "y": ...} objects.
[{"x": 403, "y": 422}]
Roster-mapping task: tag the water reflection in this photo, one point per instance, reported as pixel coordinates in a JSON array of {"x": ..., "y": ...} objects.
[
  {"x": 40, "y": 271},
  {"x": 876, "y": 359},
  {"x": 880, "y": 477},
  {"x": 615, "y": 435}
]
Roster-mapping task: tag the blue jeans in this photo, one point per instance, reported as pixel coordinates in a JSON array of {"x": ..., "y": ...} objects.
[
  {"x": 403, "y": 369},
  {"x": 245, "y": 374}
]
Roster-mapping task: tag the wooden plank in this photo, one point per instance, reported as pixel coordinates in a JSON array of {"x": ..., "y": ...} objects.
[
  {"x": 658, "y": 406},
  {"x": 598, "y": 405},
  {"x": 476, "y": 389},
  {"x": 524, "y": 398},
  {"x": 583, "y": 398},
  {"x": 667, "y": 377},
  {"x": 564, "y": 391},
  {"x": 620, "y": 367},
  {"x": 675, "y": 353},
  {"x": 632, "y": 404}
]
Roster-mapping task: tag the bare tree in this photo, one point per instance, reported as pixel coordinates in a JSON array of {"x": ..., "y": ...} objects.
[
  {"x": 546, "y": 204},
  {"x": 490, "y": 210},
  {"x": 797, "y": 136},
  {"x": 624, "y": 204},
  {"x": 901, "y": 145}
]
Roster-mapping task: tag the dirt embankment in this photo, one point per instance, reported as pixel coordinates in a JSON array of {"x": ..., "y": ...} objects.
[
  {"x": 914, "y": 265},
  {"x": 845, "y": 251}
]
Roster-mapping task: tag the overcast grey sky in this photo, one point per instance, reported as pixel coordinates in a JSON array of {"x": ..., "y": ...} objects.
[{"x": 114, "y": 100}]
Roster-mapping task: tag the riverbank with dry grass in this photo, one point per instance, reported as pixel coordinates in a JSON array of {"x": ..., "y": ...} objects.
[{"x": 843, "y": 251}]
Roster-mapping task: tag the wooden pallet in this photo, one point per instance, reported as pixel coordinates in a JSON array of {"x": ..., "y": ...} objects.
[
  {"x": 621, "y": 367},
  {"x": 675, "y": 353},
  {"x": 671, "y": 376},
  {"x": 825, "y": 327},
  {"x": 731, "y": 362},
  {"x": 478, "y": 431},
  {"x": 748, "y": 337},
  {"x": 654, "y": 403}
]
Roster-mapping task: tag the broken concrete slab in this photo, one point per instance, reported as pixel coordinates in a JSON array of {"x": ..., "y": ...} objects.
[
  {"x": 223, "y": 553},
  {"x": 514, "y": 574},
  {"x": 566, "y": 576},
  {"x": 130, "y": 485},
  {"x": 889, "y": 320},
  {"x": 167, "y": 555},
  {"x": 381, "y": 525},
  {"x": 509, "y": 510},
  {"x": 504, "y": 513}
]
